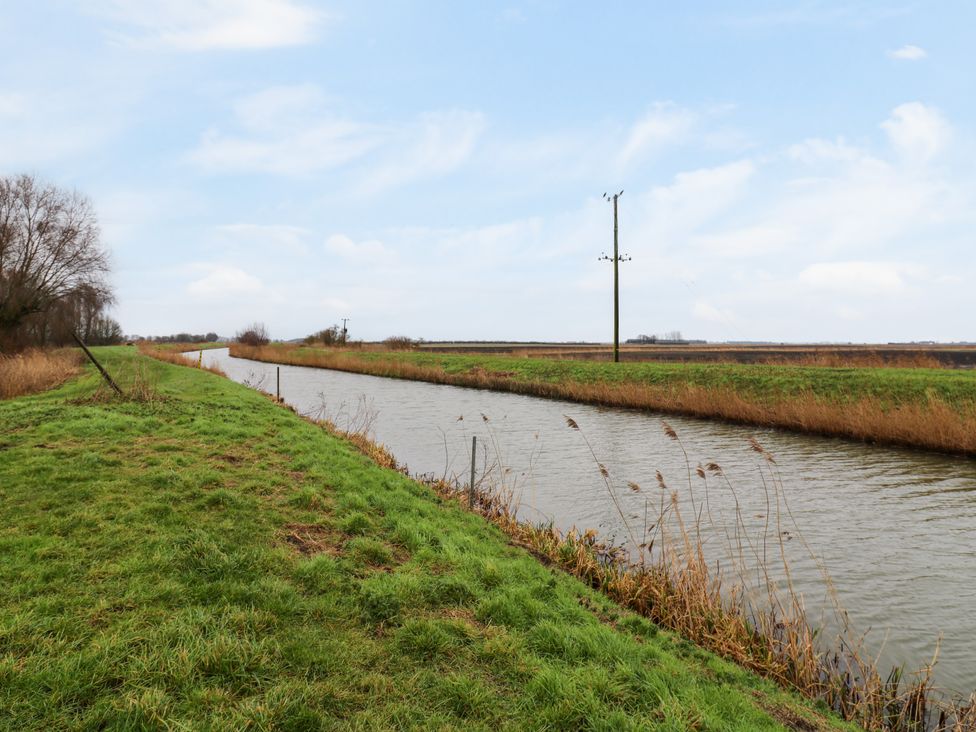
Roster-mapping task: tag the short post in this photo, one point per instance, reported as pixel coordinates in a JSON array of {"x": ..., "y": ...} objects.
[
  {"x": 278, "y": 386},
  {"x": 474, "y": 455}
]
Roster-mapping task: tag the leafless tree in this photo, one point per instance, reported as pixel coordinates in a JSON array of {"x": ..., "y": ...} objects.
[
  {"x": 50, "y": 253},
  {"x": 256, "y": 334}
]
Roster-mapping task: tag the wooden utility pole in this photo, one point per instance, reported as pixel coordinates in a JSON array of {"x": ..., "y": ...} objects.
[{"x": 616, "y": 259}]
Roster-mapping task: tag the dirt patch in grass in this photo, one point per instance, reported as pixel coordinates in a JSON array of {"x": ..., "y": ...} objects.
[
  {"x": 790, "y": 718},
  {"x": 310, "y": 539}
]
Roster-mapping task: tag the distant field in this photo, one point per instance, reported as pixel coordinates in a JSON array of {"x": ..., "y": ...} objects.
[
  {"x": 909, "y": 355},
  {"x": 933, "y": 408}
]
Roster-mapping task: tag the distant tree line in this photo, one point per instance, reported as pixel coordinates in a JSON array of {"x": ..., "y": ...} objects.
[
  {"x": 673, "y": 337},
  {"x": 53, "y": 269},
  {"x": 180, "y": 338}
]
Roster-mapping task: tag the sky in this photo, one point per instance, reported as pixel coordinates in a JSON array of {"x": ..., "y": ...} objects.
[{"x": 792, "y": 171}]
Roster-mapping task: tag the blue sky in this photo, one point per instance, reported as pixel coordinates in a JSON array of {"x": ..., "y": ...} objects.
[{"x": 792, "y": 171}]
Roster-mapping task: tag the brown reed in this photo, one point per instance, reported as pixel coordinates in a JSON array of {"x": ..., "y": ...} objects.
[{"x": 37, "y": 370}]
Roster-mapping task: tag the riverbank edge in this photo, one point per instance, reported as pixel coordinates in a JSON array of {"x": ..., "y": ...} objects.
[
  {"x": 83, "y": 426},
  {"x": 934, "y": 425},
  {"x": 671, "y": 591}
]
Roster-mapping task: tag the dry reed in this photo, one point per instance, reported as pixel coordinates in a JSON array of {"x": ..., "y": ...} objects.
[
  {"x": 933, "y": 425},
  {"x": 797, "y": 356},
  {"x": 37, "y": 370}
]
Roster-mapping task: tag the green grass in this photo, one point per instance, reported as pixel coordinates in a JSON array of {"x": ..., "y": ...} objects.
[
  {"x": 208, "y": 560},
  {"x": 764, "y": 383}
]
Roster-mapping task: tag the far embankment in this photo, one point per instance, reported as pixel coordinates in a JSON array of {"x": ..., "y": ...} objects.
[
  {"x": 929, "y": 408},
  {"x": 899, "y": 355}
]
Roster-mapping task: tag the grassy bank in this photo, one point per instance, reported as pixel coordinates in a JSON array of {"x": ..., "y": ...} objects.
[
  {"x": 929, "y": 408},
  {"x": 198, "y": 557}
]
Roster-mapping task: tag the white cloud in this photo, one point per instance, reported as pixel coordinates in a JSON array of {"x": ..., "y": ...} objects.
[
  {"x": 285, "y": 130},
  {"x": 916, "y": 131},
  {"x": 815, "y": 150},
  {"x": 293, "y": 130},
  {"x": 439, "y": 143},
  {"x": 271, "y": 237},
  {"x": 369, "y": 251},
  {"x": 908, "y": 53},
  {"x": 664, "y": 124},
  {"x": 205, "y": 25},
  {"x": 859, "y": 278},
  {"x": 704, "y": 310},
  {"x": 694, "y": 198},
  {"x": 224, "y": 281},
  {"x": 750, "y": 241},
  {"x": 326, "y": 145}
]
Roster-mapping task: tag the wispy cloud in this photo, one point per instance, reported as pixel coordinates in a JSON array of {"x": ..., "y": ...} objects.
[
  {"x": 860, "y": 278},
  {"x": 270, "y": 237},
  {"x": 908, "y": 53},
  {"x": 285, "y": 130},
  {"x": 213, "y": 25},
  {"x": 295, "y": 130},
  {"x": 223, "y": 282},
  {"x": 437, "y": 144},
  {"x": 368, "y": 251},
  {"x": 664, "y": 124}
]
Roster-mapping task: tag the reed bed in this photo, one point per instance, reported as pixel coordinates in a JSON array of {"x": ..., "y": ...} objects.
[
  {"x": 932, "y": 424},
  {"x": 662, "y": 571},
  {"x": 37, "y": 370},
  {"x": 863, "y": 358}
]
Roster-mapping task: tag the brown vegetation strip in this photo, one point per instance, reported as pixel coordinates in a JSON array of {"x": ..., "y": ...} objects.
[
  {"x": 933, "y": 425},
  {"x": 37, "y": 370}
]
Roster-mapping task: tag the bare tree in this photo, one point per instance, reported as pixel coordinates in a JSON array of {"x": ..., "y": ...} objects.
[
  {"x": 49, "y": 252},
  {"x": 256, "y": 334}
]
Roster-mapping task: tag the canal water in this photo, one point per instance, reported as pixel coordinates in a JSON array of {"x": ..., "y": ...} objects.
[{"x": 895, "y": 528}]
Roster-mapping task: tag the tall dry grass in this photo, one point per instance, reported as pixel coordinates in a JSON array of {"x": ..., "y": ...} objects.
[
  {"x": 933, "y": 425},
  {"x": 830, "y": 358},
  {"x": 37, "y": 370}
]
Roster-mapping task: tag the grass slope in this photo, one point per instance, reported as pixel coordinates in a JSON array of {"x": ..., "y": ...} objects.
[{"x": 203, "y": 559}]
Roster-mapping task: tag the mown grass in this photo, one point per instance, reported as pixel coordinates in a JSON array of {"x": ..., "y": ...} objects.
[
  {"x": 199, "y": 558},
  {"x": 928, "y": 408}
]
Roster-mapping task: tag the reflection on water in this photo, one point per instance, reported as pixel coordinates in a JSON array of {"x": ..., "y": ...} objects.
[{"x": 896, "y": 528}]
